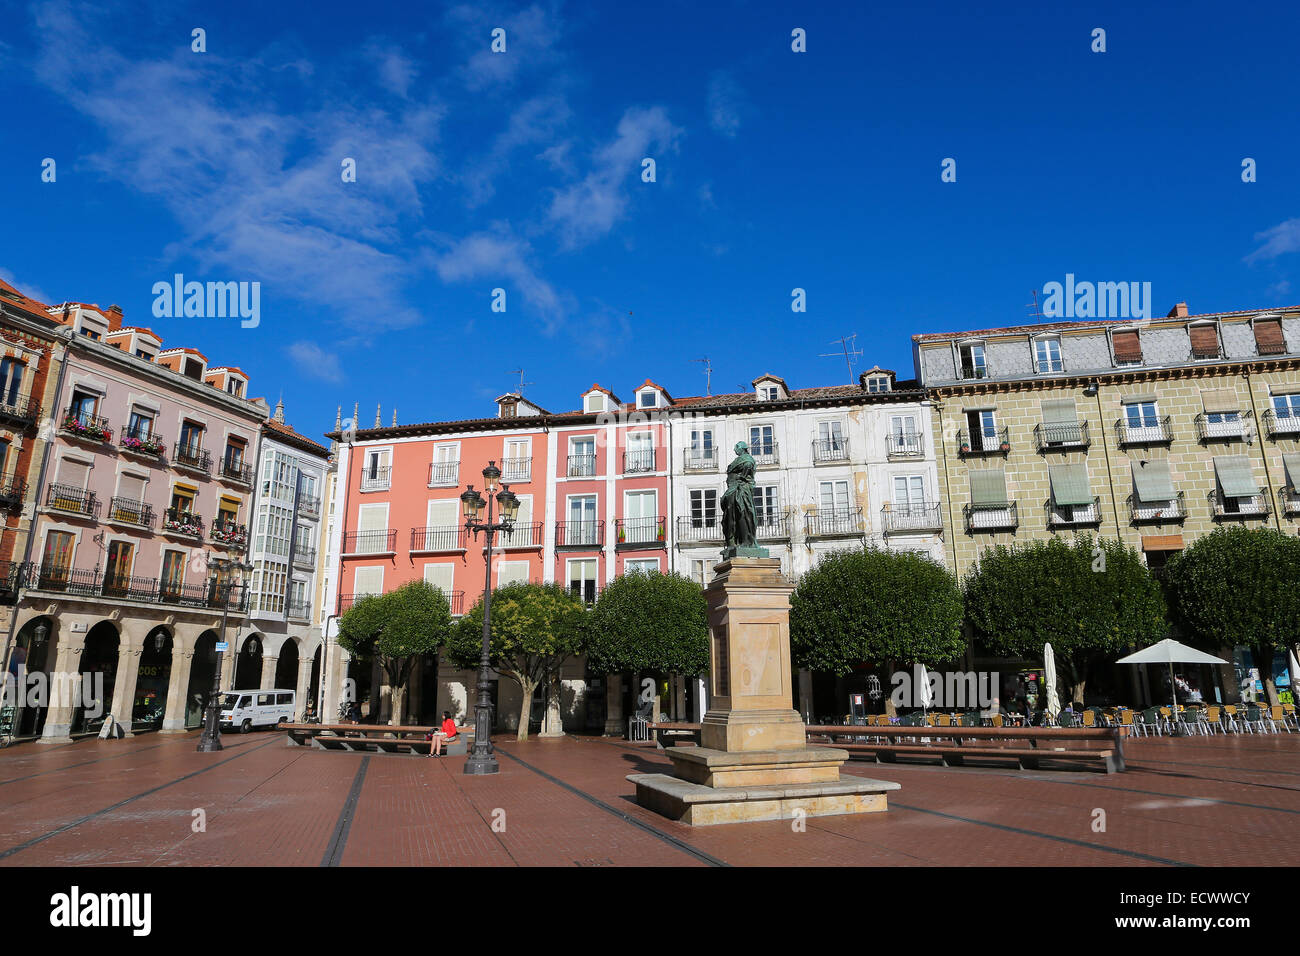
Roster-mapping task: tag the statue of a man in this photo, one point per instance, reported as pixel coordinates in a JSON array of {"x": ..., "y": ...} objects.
[{"x": 738, "y": 520}]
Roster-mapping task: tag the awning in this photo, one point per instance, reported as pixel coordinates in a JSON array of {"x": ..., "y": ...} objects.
[
  {"x": 1137, "y": 399},
  {"x": 1059, "y": 412},
  {"x": 1220, "y": 400},
  {"x": 1292, "y": 463},
  {"x": 988, "y": 486},
  {"x": 1070, "y": 484},
  {"x": 1152, "y": 482},
  {"x": 1235, "y": 476}
]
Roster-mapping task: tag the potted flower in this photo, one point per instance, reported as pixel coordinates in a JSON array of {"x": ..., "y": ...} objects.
[
  {"x": 1005, "y": 447},
  {"x": 661, "y": 532},
  {"x": 965, "y": 448},
  {"x": 622, "y": 534}
]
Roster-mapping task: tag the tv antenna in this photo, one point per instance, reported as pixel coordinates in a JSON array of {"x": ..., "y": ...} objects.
[
  {"x": 1035, "y": 308},
  {"x": 848, "y": 343},
  {"x": 522, "y": 383},
  {"x": 708, "y": 374}
]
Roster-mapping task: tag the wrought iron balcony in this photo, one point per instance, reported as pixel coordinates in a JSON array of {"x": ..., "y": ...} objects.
[
  {"x": 72, "y": 500},
  {"x": 82, "y": 425},
  {"x": 127, "y": 588},
  {"x": 516, "y": 469},
  {"x": 1233, "y": 429},
  {"x": 830, "y": 451},
  {"x": 94, "y": 583},
  {"x": 1214, "y": 351},
  {"x": 904, "y": 445},
  {"x": 377, "y": 541},
  {"x": 1074, "y": 516},
  {"x": 1252, "y": 506},
  {"x": 580, "y": 534},
  {"x": 649, "y": 532},
  {"x": 1281, "y": 424},
  {"x": 526, "y": 534},
  {"x": 1158, "y": 432},
  {"x": 582, "y": 466},
  {"x": 700, "y": 459},
  {"x": 984, "y": 442},
  {"x": 766, "y": 454},
  {"x": 230, "y": 534},
  {"x": 456, "y": 602},
  {"x": 991, "y": 517},
  {"x": 435, "y": 539},
  {"x": 697, "y": 530},
  {"x": 12, "y": 491},
  {"x": 444, "y": 474},
  {"x": 1061, "y": 436},
  {"x": 145, "y": 444},
  {"x": 970, "y": 371},
  {"x": 20, "y": 411},
  {"x": 181, "y": 522},
  {"x": 309, "y": 506},
  {"x": 911, "y": 518},
  {"x": 639, "y": 461},
  {"x": 772, "y": 525},
  {"x": 236, "y": 473},
  {"x": 304, "y": 554},
  {"x": 835, "y": 524},
  {"x": 1288, "y": 499},
  {"x": 1143, "y": 512},
  {"x": 376, "y": 479},
  {"x": 129, "y": 511},
  {"x": 299, "y": 610},
  {"x": 192, "y": 457}
]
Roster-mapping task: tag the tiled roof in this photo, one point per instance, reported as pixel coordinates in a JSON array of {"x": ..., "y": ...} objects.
[
  {"x": 301, "y": 440},
  {"x": 1089, "y": 324}
]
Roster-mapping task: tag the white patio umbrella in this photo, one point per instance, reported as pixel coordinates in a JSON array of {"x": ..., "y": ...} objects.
[
  {"x": 1293, "y": 668},
  {"x": 1053, "y": 702},
  {"x": 1171, "y": 652},
  {"x": 923, "y": 676}
]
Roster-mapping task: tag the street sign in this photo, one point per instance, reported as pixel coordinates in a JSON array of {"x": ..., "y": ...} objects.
[{"x": 223, "y": 646}]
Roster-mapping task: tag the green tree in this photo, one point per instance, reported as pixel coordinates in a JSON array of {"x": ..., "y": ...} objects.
[
  {"x": 395, "y": 629},
  {"x": 649, "y": 622},
  {"x": 1237, "y": 586},
  {"x": 1088, "y": 598},
  {"x": 535, "y": 629},
  {"x": 876, "y": 606}
]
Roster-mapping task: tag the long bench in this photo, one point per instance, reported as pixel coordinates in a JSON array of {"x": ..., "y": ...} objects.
[
  {"x": 952, "y": 746},
  {"x": 370, "y": 738}
]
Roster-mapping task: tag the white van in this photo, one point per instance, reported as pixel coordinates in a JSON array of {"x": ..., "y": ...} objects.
[{"x": 246, "y": 709}]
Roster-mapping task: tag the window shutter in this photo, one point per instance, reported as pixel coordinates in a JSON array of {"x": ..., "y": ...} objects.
[
  {"x": 1152, "y": 482},
  {"x": 988, "y": 487},
  {"x": 443, "y": 514},
  {"x": 1060, "y": 412},
  {"x": 1269, "y": 339},
  {"x": 1205, "y": 341},
  {"x": 1070, "y": 484},
  {"x": 1128, "y": 347},
  {"x": 1220, "y": 400},
  {"x": 1292, "y": 463},
  {"x": 1235, "y": 476},
  {"x": 372, "y": 518},
  {"x": 368, "y": 581},
  {"x": 440, "y": 576},
  {"x": 131, "y": 488},
  {"x": 73, "y": 473}
]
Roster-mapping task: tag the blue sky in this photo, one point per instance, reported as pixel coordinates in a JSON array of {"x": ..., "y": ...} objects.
[{"x": 522, "y": 170}]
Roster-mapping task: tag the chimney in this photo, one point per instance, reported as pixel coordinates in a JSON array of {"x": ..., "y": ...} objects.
[
  {"x": 1178, "y": 312},
  {"x": 114, "y": 316}
]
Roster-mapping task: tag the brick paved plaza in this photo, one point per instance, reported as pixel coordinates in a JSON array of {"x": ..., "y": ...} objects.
[{"x": 1214, "y": 801}]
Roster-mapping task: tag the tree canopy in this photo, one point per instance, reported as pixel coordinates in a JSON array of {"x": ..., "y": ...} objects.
[{"x": 649, "y": 622}]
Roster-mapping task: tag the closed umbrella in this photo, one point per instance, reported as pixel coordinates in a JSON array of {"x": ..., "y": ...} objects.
[
  {"x": 923, "y": 677},
  {"x": 1053, "y": 703},
  {"x": 1171, "y": 652},
  {"x": 1293, "y": 669}
]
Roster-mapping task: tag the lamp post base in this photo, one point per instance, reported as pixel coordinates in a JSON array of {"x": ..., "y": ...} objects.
[
  {"x": 208, "y": 745},
  {"x": 479, "y": 765}
]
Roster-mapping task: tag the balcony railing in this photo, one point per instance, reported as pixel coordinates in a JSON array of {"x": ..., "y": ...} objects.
[
  {"x": 309, "y": 506},
  {"x": 1074, "y": 516},
  {"x": 647, "y": 532},
  {"x": 523, "y": 535},
  {"x": 444, "y": 474},
  {"x": 766, "y": 454},
  {"x": 696, "y": 530},
  {"x": 191, "y": 456},
  {"x": 299, "y": 610},
  {"x": 911, "y": 518},
  {"x": 304, "y": 554},
  {"x": 23, "y": 411},
  {"x": 127, "y": 588},
  {"x": 236, "y": 472},
  {"x": 1281, "y": 424},
  {"x": 378, "y": 541},
  {"x": 93, "y": 582},
  {"x": 455, "y": 601},
  {"x": 991, "y": 517},
  {"x": 145, "y": 444},
  {"x": 1251, "y": 506},
  {"x": 129, "y": 511},
  {"x": 772, "y": 525},
  {"x": 1059, "y": 436},
  {"x": 72, "y": 500},
  {"x": 830, "y": 450},
  {"x": 1141, "y": 512},
  {"x": 516, "y": 469},
  {"x": 983, "y": 442},
  {"x": 700, "y": 459},
  {"x": 12, "y": 490},
  {"x": 179, "y": 521},
  {"x": 904, "y": 445},
  {"x": 835, "y": 524},
  {"x": 1288, "y": 499},
  {"x": 639, "y": 461},
  {"x": 1233, "y": 429},
  {"x": 969, "y": 370},
  {"x": 582, "y": 466},
  {"x": 1158, "y": 432},
  {"x": 229, "y": 533},
  {"x": 376, "y": 479},
  {"x": 579, "y": 534},
  {"x": 439, "y": 538},
  {"x": 86, "y": 426}
]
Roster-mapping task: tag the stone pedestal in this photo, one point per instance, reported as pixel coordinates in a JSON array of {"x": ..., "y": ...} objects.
[{"x": 754, "y": 762}]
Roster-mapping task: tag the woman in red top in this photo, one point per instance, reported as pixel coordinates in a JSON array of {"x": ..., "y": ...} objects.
[{"x": 448, "y": 733}]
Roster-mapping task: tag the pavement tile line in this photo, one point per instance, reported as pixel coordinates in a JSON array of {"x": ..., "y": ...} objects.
[
  {"x": 121, "y": 803},
  {"x": 1180, "y": 796},
  {"x": 334, "y": 849},
  {"x": 84, "y": 763},
  {"x": 470, "y": 802},
  {"x": 640, "y": 824}
]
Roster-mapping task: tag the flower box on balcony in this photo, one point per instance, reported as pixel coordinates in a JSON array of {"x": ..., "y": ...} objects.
[
  {"x": 144, "y": 446},
  {"x": 87, "y": 429},
  {"x": 237, "y": 536},
  {"x": 184, "y": 525}
]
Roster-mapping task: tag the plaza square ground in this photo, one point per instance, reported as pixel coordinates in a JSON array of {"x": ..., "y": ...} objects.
[{"x": 1207, "y": 801}]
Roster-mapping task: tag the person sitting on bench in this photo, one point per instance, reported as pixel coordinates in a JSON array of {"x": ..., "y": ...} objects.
[{"x": 446, "y": 734}]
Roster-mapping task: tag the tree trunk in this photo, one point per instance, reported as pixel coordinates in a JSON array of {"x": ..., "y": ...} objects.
[
  {"x": 525, "y": 707},
  {"x": 552, "y": 722},
  {"x": 1076, "y": 693},
  {"x": 1270, "y": 689},
  {"x": 398, "y": 693}
]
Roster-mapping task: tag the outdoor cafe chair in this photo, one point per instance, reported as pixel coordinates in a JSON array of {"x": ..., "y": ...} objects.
[
  {"x": 942, "y": 720},
  {"x": 1089, "y": 718},
  {"x": 1283, "y": 717},
  {"x": 1253, "y": 718},
  {"x": 1233, "y": 719},
  {"x": 1152, "y": 720},
  {"x": 1125, "y": 719},
  {"x": 1214, "y": 719}
]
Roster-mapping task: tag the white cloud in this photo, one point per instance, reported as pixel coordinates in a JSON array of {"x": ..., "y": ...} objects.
[
  {"x": 1281, "y": 239},
  {"x": 532, "y": 35},
  {"x": 314, "y": 362},
  {"x": 27, "y": 289},
  {"x": 726, "y": 103},
  {"x": 501, "y": 259},
  {"x": 536, "y": 121}
]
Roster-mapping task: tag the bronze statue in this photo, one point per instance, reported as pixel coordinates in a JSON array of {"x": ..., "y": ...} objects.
[{"x": 739, "y": 523}]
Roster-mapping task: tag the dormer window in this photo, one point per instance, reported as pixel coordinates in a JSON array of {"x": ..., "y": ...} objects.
[
  {"x": 235, "y": 387},
  {"x": 878, "y": 383},
  {"x": 193, "y": 369},
  {"x": 1269, "y": 339},
  {"x": 1047, "y": 355},
  {"x": 769, "y": 393},
  {"x": 1205, "y": 340},
  {"x": 973, "y": 363},
  {"x": 593, "y": 402},
  {"x": 647, "y": 400},
  {"x": 1127, "y": 347}
]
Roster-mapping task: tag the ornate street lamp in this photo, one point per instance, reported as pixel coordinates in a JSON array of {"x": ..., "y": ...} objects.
[
  {"x": 481, "y": 759},
  {"x": 210, "y": 741}
]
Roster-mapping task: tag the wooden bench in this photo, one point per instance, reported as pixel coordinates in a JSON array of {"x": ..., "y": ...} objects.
[
  {"x": 370, "y": 738},
  {"x": 675, "y": 734}
]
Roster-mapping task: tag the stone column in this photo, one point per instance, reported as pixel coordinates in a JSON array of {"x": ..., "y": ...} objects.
[
  {"x": 268, "y": 670},
  {"x": 229, "y": 657},
  {"x": 67, "y": 666},
  {"x": 304, "y": 685},
  {"x": 129, "y": 649},
  {"x": 614, "y": 705},
  {"x": 679, "y": 696},
  {"x": 178, "y": 686}
]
